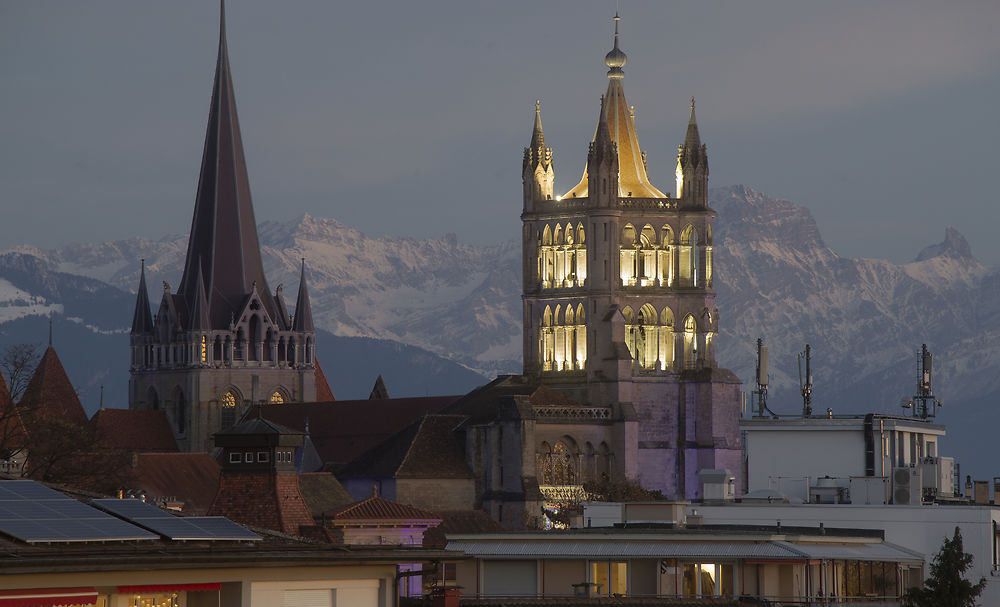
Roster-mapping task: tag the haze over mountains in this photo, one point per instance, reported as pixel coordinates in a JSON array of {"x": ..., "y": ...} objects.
[{"x": 440, "y": 316}]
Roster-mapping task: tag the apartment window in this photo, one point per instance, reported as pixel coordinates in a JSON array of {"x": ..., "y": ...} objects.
[{"x": 611, "y": 577}]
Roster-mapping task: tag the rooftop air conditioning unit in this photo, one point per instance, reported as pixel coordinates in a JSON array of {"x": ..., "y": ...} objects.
[{"x": 906, "y": 487}]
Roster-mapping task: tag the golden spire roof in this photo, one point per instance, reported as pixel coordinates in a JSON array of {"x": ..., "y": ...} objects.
[{"x": 632, "y": 178}]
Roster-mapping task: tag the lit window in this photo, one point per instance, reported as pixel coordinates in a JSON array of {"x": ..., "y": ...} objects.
[
  {"x": 228, "y": 403},
  {"x": 204, "y": 349},
  {"x": 611, "y": 577},
  {"x": 277, "y": 398}
]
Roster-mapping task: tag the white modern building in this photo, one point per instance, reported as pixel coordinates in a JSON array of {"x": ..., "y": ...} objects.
[{"x": 870, "y": 458}]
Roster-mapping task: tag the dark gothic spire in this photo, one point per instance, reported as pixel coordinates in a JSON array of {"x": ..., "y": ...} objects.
[
  {"x": 303, "y": 311},
  {"x": 223, "y": 246},
  {"x": 142, "y": 320},
  {"x": 537, "y": 136},
  {"x": 693, "y": 152},
  {"x": 692, "y": 139},
  {"x": 379, "y": 391}
]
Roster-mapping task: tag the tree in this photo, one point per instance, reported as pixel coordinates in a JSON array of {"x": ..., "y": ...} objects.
[
  {"x": 18, "y": 362},
  {"x": 947, "y": 586},
  {"x": 626, "y": 490}
]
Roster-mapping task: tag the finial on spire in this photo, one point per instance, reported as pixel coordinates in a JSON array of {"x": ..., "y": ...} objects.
[
  {"x": 615, "y": 59},
  {"x": 50, "y": 330},
  {"x": 692, "y": 103},
  {"x": 537, "y": 136}
]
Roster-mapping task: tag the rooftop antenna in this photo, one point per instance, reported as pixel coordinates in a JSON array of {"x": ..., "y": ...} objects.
[
  {"x": 761, "y": 391},
  {"x": 923, "y": 403},
  {"x": 806, "y": 383}
]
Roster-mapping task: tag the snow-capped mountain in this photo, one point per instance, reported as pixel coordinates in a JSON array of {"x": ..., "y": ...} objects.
[{"x": 864, "y": 318}]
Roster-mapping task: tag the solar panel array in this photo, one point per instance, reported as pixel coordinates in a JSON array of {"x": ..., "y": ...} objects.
[
  {"x": 33, "y": 513},
  {"x": 174, "y": 527}
]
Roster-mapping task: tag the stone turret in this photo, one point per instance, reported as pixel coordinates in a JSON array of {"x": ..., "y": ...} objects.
[
  {"x": 537, "y": 171},
  {"x": 692, "y": 167}
]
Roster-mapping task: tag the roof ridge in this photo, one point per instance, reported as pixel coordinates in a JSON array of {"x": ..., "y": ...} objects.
[{"x": 409, "y": 449}]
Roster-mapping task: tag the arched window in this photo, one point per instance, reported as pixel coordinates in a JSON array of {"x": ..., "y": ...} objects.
[
  {"x": 629, "y": 329},
  {"x": 627, "y": 256},
  {"x": 649, "y": 336},
  {"x": 180, "y": 410},
  {"x": 666, "y": 354},
  {"x": 228, "y": 403},
  {"x": 690, "y": 342},
  {"x": 665, "y": 264},
  {"x": 603, "y": 463},
  {"x": 562, "y": 338},
  {"x": 277, "y": 398},
  {"x": 559, "y": 465},
  {"x": 547, "y": 340},
  {"x": 254, "y": 349},
  {"x": 688, "y": 256},
  {"x": 153, "y": 399},
  {"x": 646, "y": 257}
]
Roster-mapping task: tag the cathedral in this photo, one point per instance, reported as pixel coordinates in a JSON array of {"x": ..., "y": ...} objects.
[
  {"x": 620, "y": 382},
  {"x": 223, "y": 341},
  {"x": 619, "y": 305}
]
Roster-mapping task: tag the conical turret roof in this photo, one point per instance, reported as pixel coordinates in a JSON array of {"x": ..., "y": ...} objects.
[
  {"x": 223, "y": 246},
  {"x": 50, "y": 395},
  {"x": 632, "y": 178}
]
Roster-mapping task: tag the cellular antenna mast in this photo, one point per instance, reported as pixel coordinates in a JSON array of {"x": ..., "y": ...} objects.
[
  {"x": 923, "y": 403},
  {"x": 806, "y": 382},
  {"x": 761, "y": 391}
]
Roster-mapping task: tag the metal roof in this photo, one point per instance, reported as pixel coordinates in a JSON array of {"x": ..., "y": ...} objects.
[
  {"x": 725, "y": 549},
  {"x": 604, "y": 548},
  {"x": 855, "y": 552}
]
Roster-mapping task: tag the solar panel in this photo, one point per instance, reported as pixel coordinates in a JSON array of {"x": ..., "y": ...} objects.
[
  {"x": 129, "y": 508},
  {"x": 34, "y": 513},
  {"x": 216, "y": 528}
]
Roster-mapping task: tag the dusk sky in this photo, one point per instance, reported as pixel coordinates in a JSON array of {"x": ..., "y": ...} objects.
[{"x": 409, "y": 118}]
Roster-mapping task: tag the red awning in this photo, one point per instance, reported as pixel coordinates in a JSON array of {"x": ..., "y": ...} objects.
[
  {"x": 47, "y": 597},
  {"x": 168, "y": 588}
]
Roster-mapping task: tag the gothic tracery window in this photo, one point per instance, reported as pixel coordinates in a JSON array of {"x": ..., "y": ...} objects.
[
  {"x": 558, "y": 464},
  {"x": 277, "y": 398},
  {"x": 228, "y": 404}
]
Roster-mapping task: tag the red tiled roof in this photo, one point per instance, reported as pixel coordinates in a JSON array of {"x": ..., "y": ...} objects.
[
  {"x": 192, "y": 478},
  {"x": 427, "y": 448},
  {"x": 323, "y": 392},
  {"x": 50, "y": 395},
  {"x": 133, "y": 430},
  {"x": 343, "y": 430},
  {"x": 262, "y": 499},
  {"x": 323, "y": 492},
  {"x": 377, "y": 508},
  {"x": 435, "y": 450},
  {"x": 460, "y": 521}
]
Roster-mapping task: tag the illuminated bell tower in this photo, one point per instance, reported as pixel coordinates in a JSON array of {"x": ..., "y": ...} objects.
[
  {"x": 223, "y": 341},
  {"x": 619, "y": 302}
]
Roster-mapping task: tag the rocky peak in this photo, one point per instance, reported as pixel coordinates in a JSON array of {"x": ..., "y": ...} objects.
[{"x": 954, "y": 246}]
